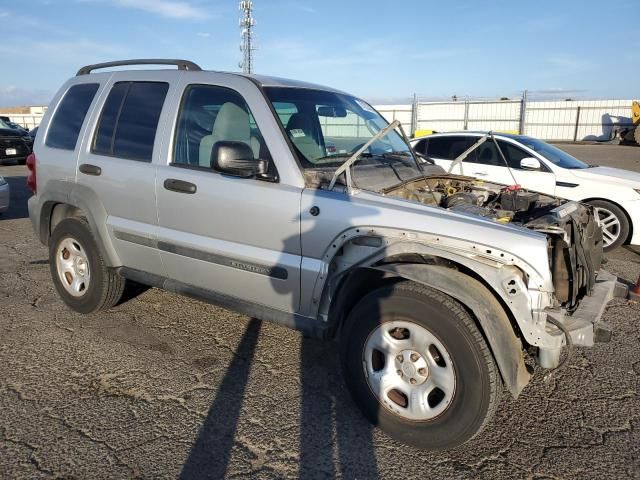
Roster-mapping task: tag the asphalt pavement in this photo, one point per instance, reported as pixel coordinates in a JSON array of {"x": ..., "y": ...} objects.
[{"x": 164, "y": 386}]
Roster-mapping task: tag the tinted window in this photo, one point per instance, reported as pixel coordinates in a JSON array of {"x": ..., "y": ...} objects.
[
  {"x": 104, "y": 135},
  {"x": 488, "y": 154},
  {"x": 421, "y": 146},
  {"x": 212, "y": 114},
  {"x": 447, "y": 148},
  {"x": 69, "y": 117},
  {"x": 129, "y": 120},
  {"x": 513, "y": 154}
]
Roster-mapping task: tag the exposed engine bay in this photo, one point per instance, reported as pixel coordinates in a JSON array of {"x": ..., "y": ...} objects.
[
  {"x": 575, "y": 238},
  {"x": 476, "y": 197}
]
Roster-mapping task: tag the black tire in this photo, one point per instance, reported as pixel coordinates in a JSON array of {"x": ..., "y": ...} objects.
[
  {"x": 105, "y": 288},
  {"x": 478, "y": 383},
  {"x": 624, "y": 228}
]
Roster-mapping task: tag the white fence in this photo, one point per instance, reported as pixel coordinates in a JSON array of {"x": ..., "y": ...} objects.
[{"x": 563, "y": 120}]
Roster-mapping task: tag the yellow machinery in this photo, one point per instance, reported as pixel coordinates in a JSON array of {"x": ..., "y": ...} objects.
[{"x": 631, "y": 134}]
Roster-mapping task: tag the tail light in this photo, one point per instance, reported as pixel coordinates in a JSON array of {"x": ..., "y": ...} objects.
[{"x": 32, "y": 183}]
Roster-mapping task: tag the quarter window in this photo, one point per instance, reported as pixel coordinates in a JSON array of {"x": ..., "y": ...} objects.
[
  {"x": 69, "y": 117},
  {"x": 129, "y": 120}
]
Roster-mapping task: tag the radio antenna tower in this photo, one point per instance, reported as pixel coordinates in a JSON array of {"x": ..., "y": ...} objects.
[{"x": 247, "y": 22}]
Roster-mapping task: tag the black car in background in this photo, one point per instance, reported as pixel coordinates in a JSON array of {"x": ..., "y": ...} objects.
[
  {"x": 13, "y": 142},
  {"x": 13, "y": 146}
]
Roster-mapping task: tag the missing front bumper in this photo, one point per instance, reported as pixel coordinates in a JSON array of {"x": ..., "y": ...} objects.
[{"x": 584, "y": 326}]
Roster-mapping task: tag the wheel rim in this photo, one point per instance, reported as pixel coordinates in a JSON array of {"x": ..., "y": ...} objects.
[
  {"x": 610, "y": 225},
  {"x": 72, "y": 266},
  {"x": 409, "y": 370}
]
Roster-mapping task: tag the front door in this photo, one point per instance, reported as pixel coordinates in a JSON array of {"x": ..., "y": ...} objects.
[
  {"x": 239, "y": 237},
  {"x": 486, "y": 163}
]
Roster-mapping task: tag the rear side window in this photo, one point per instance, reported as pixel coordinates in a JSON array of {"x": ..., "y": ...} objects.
[
  {"x": 69, "y": 117},
  {"x": 421, "y": 146},
  {"x": 129, "y": 120},
  {"x": 447, "y": 148}
]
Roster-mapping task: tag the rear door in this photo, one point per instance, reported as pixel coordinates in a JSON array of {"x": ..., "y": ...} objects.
[
  {"x": 116, "y": 162},
  {"x": 239, "y": 237}
]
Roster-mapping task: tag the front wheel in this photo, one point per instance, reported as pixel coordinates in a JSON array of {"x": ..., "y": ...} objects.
[
  {"x": 614, "y": 224},
  {"x": 418, "y": 367}
]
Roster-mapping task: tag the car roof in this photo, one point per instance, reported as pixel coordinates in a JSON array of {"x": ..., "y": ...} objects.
[{"x": 473, "y": 133}]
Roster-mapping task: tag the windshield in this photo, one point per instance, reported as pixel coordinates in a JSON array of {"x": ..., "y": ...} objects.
[
  {"x": 553, "y": 154},
  {"x": 326, "y": 128}
]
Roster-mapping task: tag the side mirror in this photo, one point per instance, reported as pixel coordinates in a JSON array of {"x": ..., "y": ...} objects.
[
  {"x": 530, "y": 163},
  {"x": 236, "y": 159}
]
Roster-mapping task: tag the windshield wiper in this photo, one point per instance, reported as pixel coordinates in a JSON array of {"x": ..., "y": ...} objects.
[{"x": 346, "y": 166}]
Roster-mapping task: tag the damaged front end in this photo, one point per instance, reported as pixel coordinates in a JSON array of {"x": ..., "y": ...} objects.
[{"x": 574, "y": 235}]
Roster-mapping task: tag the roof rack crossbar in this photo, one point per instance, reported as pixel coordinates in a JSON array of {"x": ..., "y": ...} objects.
[{"x": 181, "y": 64}]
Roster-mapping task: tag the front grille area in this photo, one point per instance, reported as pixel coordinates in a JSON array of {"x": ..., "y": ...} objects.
[
  {"x": 575, "y": 265},
  {"x": 13, "y": 142}
]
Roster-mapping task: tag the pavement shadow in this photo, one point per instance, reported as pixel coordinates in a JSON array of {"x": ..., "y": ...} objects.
[
  {"x": 210, "y": 455},
  {"x": 19, "y": 196}
]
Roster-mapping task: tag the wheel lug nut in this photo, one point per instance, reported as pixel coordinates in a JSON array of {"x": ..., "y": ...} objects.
[
  {"x": 414, "y": 357},
  {"x": 413, "y": 381},
  {"x": 422, "y": 371},
  {"x": 399, "y": 372},
  {"x": 400, "y": 358}
]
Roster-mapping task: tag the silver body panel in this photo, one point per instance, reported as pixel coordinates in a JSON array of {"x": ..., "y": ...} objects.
[{"x": 257, "y": 240}]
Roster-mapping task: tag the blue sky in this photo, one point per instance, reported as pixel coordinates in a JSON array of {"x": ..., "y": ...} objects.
[{"x": 383, "y": 51}]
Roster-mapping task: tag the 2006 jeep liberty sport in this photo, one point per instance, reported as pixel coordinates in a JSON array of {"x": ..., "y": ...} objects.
[{"x": 301, "y": 205}]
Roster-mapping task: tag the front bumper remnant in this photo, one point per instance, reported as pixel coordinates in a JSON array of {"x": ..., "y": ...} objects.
[{"x": 584, "y": 325}]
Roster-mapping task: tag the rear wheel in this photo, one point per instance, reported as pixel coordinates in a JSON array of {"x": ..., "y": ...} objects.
[
  {"x": 418, "y": 367},
  {"x": 79, "y": 274},
  {"x": 614, "y": 223}
]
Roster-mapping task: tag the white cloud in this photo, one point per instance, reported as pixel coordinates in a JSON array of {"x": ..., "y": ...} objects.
[
  {"x": 166, "y": 8},
  {"x": 204, "y": 34}
]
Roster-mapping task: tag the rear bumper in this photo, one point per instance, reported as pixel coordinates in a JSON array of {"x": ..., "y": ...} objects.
[
  {"x": 5, "y": 197},
  {"x": 584, "y": 325},
  {"x": 33, "y": 205}
]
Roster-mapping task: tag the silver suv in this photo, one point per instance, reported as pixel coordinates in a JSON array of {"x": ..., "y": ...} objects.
[{"x": 300, "y": 204}]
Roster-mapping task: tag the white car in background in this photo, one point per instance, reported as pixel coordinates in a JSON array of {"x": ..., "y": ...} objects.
[
  {"x": 541, "y": 167},
  {"x": 4, "y": 195}
]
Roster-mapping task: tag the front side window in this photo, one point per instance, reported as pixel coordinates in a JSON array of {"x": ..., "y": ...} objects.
[
  {"x": 488, "y": 154},
  {"x": 326, "y": 128},
  {"x": 211, "y": 114},
  {"x": 69, "y": 117},
  {"x": 551, "y": 153},
  {"x": 129, "y": 120}
]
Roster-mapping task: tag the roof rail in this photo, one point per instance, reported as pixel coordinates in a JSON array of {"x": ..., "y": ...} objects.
[{"x": 181, "y": 64}]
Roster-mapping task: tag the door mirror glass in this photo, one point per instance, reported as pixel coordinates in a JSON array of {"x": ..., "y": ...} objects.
[
  {"x": 530, "y": 163},
  {"x": 236, "y": 159}
]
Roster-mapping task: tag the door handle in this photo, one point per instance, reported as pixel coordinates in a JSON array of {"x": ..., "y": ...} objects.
[
  {"x": 88, "y": 169},
  {"x": 180, "y": 186},
  {"x": 482, "y": 174}
]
